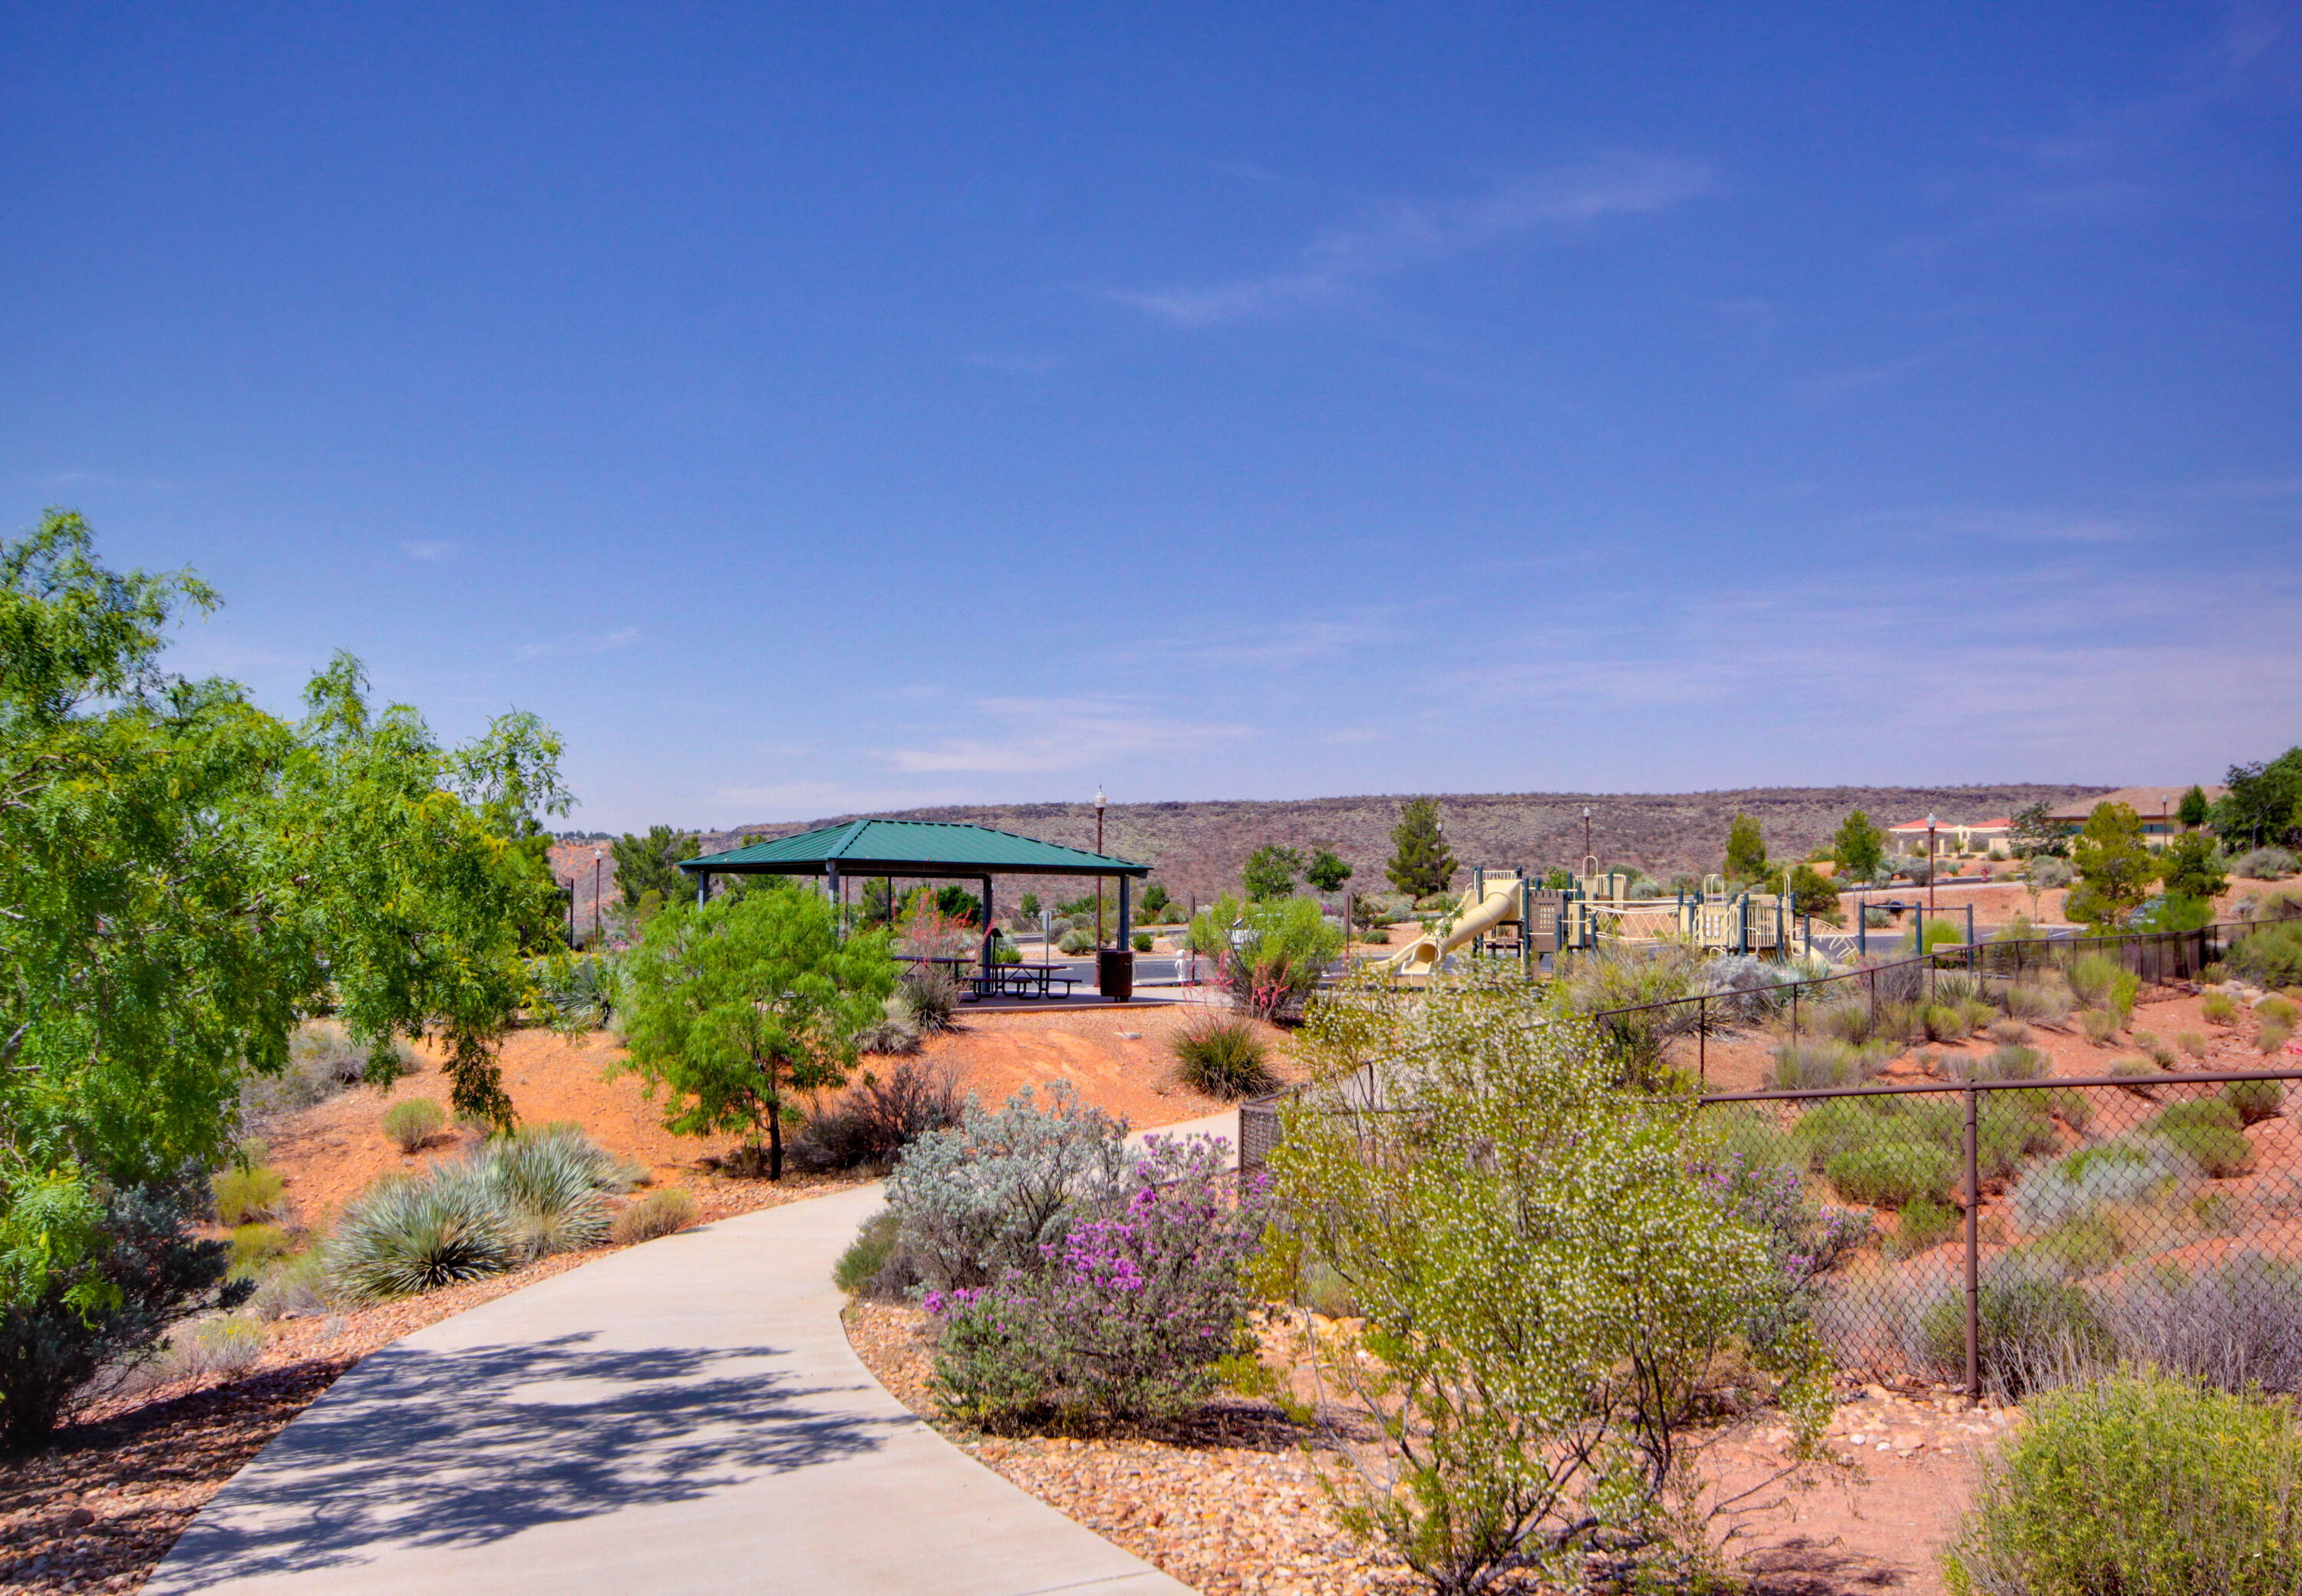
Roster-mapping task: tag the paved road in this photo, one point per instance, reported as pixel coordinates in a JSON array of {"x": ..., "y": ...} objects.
[{"x": 680, "y": 1417}]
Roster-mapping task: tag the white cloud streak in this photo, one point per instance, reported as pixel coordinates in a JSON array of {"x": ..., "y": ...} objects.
[
  {"x": 623, "y": 637},
  {"x": 1337, "y": 266},
  {"x": 1033, "y": 734}
]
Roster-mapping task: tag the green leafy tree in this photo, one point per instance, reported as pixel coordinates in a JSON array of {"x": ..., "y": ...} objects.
[
  {"x": 733, "y": 1006},
  {"x": 651, "y": 863},
  {"x": 2193, "y": 869},
  {"x": 2033, "y": 831},
  {"x": 184, "y": 878},
  {"x": 2263, "y": 804},
  {"x": 1420, "y": 863},
  {"x": 1271, "y": 871},
  {"x": 1813, "y": 893},
  {"x": 2115, "y": 867},
  {"x": 1327, "y": 871},
  {"x": 1746, "y": 852},
  {"x": 2194, "y": 809},
  {"x": 1860, "y": 847},
  {"x": 1027, "y": 905},
  {"x": 1154, "y": 899}
]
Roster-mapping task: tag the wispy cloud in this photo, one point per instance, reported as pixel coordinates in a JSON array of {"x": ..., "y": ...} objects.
[
  {"x": 769, "y": 802},
  {"x": 429, "y": 551},
  {"x": 622, "y": 637},
  {"x": 1032, "y": 734},
  {"x": 1264, "y": 646},
  {"x": 1339, "y": 265}
]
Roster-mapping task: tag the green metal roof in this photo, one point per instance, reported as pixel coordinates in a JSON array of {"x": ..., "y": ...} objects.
[{"x": 910, "y": 848}]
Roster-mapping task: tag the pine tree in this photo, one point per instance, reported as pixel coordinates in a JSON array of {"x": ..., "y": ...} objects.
[
  {"x": 1327, "y": 872},
  {"x": 2193, "y": 812},
  {"x": 1860, "y": 847},
  {"x": 1746, "y": 852},
  {"x": 1420, "y": 864}
]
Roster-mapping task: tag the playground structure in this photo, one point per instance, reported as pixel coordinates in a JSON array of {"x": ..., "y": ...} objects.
[{"x": 1505, "y": 912}]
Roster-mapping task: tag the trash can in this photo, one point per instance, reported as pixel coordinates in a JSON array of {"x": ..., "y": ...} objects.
[{"x": 1115, "y": 972}]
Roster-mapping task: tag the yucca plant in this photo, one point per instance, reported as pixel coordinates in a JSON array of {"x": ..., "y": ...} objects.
[
  {"x": 1223, "y": 1058},
  {"x": 442, "y": 1229},
  {"x": 552, "y": 1188}
]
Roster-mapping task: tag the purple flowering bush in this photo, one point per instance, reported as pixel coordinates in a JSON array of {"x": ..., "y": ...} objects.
[
  {"x": 1125, "y": 1313},
  {"x": 1806, "y": 1239}
]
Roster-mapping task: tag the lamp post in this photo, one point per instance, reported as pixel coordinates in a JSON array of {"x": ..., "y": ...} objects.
[
  {"x": 597, "y": 854},
  {"x": 1589, "y": 860},
  {"x": 1930, "y": 865},
  {"x": 1099, "y": 849}
]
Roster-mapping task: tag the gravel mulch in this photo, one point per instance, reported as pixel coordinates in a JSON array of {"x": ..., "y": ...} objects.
[
  {"x": 1230, "y": 1502},
  {"x": 99, "y": 1506}
]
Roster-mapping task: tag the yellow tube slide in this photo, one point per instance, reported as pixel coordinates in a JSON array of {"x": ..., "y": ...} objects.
[{"x": 1473, "y": 917}]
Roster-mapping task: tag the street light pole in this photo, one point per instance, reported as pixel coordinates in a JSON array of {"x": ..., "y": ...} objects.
[
  {"x": 1930, "y": 866},
  {"x": 1099, "y": 849},
  {"x": 1589, "y": 860}
]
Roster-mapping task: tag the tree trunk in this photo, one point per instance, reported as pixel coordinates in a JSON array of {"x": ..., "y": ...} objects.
[{"x": 774, "y": 1129}]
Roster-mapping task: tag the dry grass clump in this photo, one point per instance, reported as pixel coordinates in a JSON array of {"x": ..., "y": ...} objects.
[{"x": 661, "y": 1212}]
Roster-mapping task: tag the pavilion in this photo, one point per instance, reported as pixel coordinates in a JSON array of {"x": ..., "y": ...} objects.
[{"x": 915, "y": 850}]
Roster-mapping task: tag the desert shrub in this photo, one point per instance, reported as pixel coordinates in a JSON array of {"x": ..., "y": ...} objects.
[
  {"x": 2256, "y": 1101},
  {"x": 244, "y": 1195},
  {"x": 2118, "y": 1173},
  {"x": 223, "y": 1345},
  {"x": 2039, "y": 1004},
  {"x": 2047, "y": 872},
  {"x": 1125, "y": 1314},
  {"x": 2193, "y": 1043},
  {"x": 2270, "y": 956},
  {"x": 105, "y": 1313},
  {"x": 255, "y": 1248},
  {"x": 661, "y": 1212},
  {"x": 1944, "y": 1023},
  {"x": 1958, "y": 988},
  {"x": 2142, "y": 1483},
  {"x": 1923, "y": 1223},
  {"x": 2093, "y": 977},
  {"x": 2223, "y": 1153},
  {"x": 930, "y": 993},
  {"x": 2234, "y": 1320},
  {"x": 1288, "y": 944},
  {"x": 2264, "y": 864},
  {"x": 1614, "y": 978},
  {"x": 1222, "y": 1057},
  {"x": 1819, "y": 1063},
  {"x": 981, "y": 1197},
  {"x": 2084, "y": 1246},
  {"x": 2219, "y": 1008},
  {"x": 2073, "y": 1107},
  {"x": 2160, "y": 1051},
  {"x": 294, "y": 1287},
  {"x": 2007, "y": 1062},
  {"x": 2012, "y": 1033},
  {"x": 1520, "y": 1163},
  {"x": 891, "y": 1036},
  {"x": 2276, "y": 1008},
  {"x": 1140, "y": 942},
  {"x": 2033, "y": 1327},
  {"x": 412, "y": 1122},
  {"x": 1075, "y": 942},
  {"x": 2272, "y": 1035},
  {"x": 875, "y": 1119},
  {"x": 1891, "y": 1174},
  {"x": 439, "y": 1229},
  {"x": 2216, "y": 1112},
  {"x": 859, "y": 1263},
  {"x": 2098, "y": 1026},
  {"x": 323, "y": 1059},
  {"x": 1844, "y": 1019}
]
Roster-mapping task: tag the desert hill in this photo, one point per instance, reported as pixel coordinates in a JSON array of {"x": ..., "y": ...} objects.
[{"x": 1199, "y": 848}]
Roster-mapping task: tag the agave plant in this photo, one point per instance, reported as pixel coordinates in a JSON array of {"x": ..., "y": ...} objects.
[{"x": 441, "y": 1228}]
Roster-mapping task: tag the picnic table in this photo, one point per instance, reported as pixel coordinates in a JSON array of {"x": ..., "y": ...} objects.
[{"x": 1029, "y": 979}]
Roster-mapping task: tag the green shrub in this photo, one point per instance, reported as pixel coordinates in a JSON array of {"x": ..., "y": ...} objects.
[
  {"x": 1323, "y": 1290},
  {"x": 1222, "y": 1057},
  {"x": 1923, "y": 1222},
  {"x": 2191, "y": 1042},
  {"x": 412, "y": 1122},
  {"x": 2219, "y": 1008},
  {"x": 2272, "y": 1035},
  {"x": 223, "y": 1346},
  {"x": 255, "y": 1248},
  {"x": 1943, "y": 1022},
  {"x": 876, "y": 1117},
  {"x": 875, "y": 1242},
  {"x": 1891, "y": 1174},
  {"x": 2223, "y": 1153},
  {"x": 2270, "y": 956},
  {"x": 2276, "y": 1008},
  {"x": 930, "y": 995},
  {"x": 661, "y": 1212},
  {"x": 2093, "y": 977},
  {"x": 2085, "y": 1245},
  {"x": 243, "y": 1196},
  {"x": 440, "y": 1229},
  {"x": 295, "y": 1286},
  {"x": 1141, "y": 942},
  {"x": 1844, "y": 1019},
  {"x": 2161, "y": 1051},
  {"x": 2215, "y": 1112},
  {"x": 2255, "y": 1100},
  {"x": 2032, "y": 1326},
  {"x": 2011, "y": 1033},
  {"x": 551, "y": 1185},
  {"x": 1075, "y": 942},
  {"x": 2098, "y": 1026},
  {"x": 2139, "y": 1483},
  {"x": 323, "y": 1059},
  {"x": 2041, "y": 1005}
]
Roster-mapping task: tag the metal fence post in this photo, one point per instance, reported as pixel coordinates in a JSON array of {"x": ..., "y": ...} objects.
[
  {"x": 1973, "y": 1253},
  {"x": 1794, "y": 997},
  {"x": 1703, "y": 1038}
]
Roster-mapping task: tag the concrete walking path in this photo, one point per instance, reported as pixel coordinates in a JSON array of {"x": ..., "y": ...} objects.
[{"x": 685, "y": 1416}]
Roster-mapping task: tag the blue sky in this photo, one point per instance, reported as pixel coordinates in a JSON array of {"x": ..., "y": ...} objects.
[{"x": 809, "y": 409}]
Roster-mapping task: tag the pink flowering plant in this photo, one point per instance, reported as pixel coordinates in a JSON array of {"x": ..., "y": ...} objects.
[{"x": 1126, "y": 1311}]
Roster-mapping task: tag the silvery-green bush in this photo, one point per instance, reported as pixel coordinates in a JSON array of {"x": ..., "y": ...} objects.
[{"x": 978, "y": 1199}]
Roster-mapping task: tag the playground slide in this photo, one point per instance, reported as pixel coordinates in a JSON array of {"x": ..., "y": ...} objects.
[{"x": 1473, "y": 917}]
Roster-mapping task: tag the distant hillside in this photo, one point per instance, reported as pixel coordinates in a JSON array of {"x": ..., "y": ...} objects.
[{"x": 1198, "y": 849}]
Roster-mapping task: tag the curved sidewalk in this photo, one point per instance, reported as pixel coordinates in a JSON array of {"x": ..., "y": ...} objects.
[{"x": 685, "y": 1416}]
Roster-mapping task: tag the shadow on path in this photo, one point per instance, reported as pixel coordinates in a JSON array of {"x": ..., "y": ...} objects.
[{"x": 429, "y": 1449}]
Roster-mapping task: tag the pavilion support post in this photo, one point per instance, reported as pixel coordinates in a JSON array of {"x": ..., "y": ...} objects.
[
  {"x": 702, "y": 888},
  {"x": 990, "y": 936},
  {"x": 831, "y": 886},
  {"x": 1126, "y": 924}
]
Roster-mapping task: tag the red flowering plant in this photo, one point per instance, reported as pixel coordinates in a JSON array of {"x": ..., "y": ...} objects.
[
  {"x": 927, "y": 932},
  {"x": 1124, "y": 1315}
]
